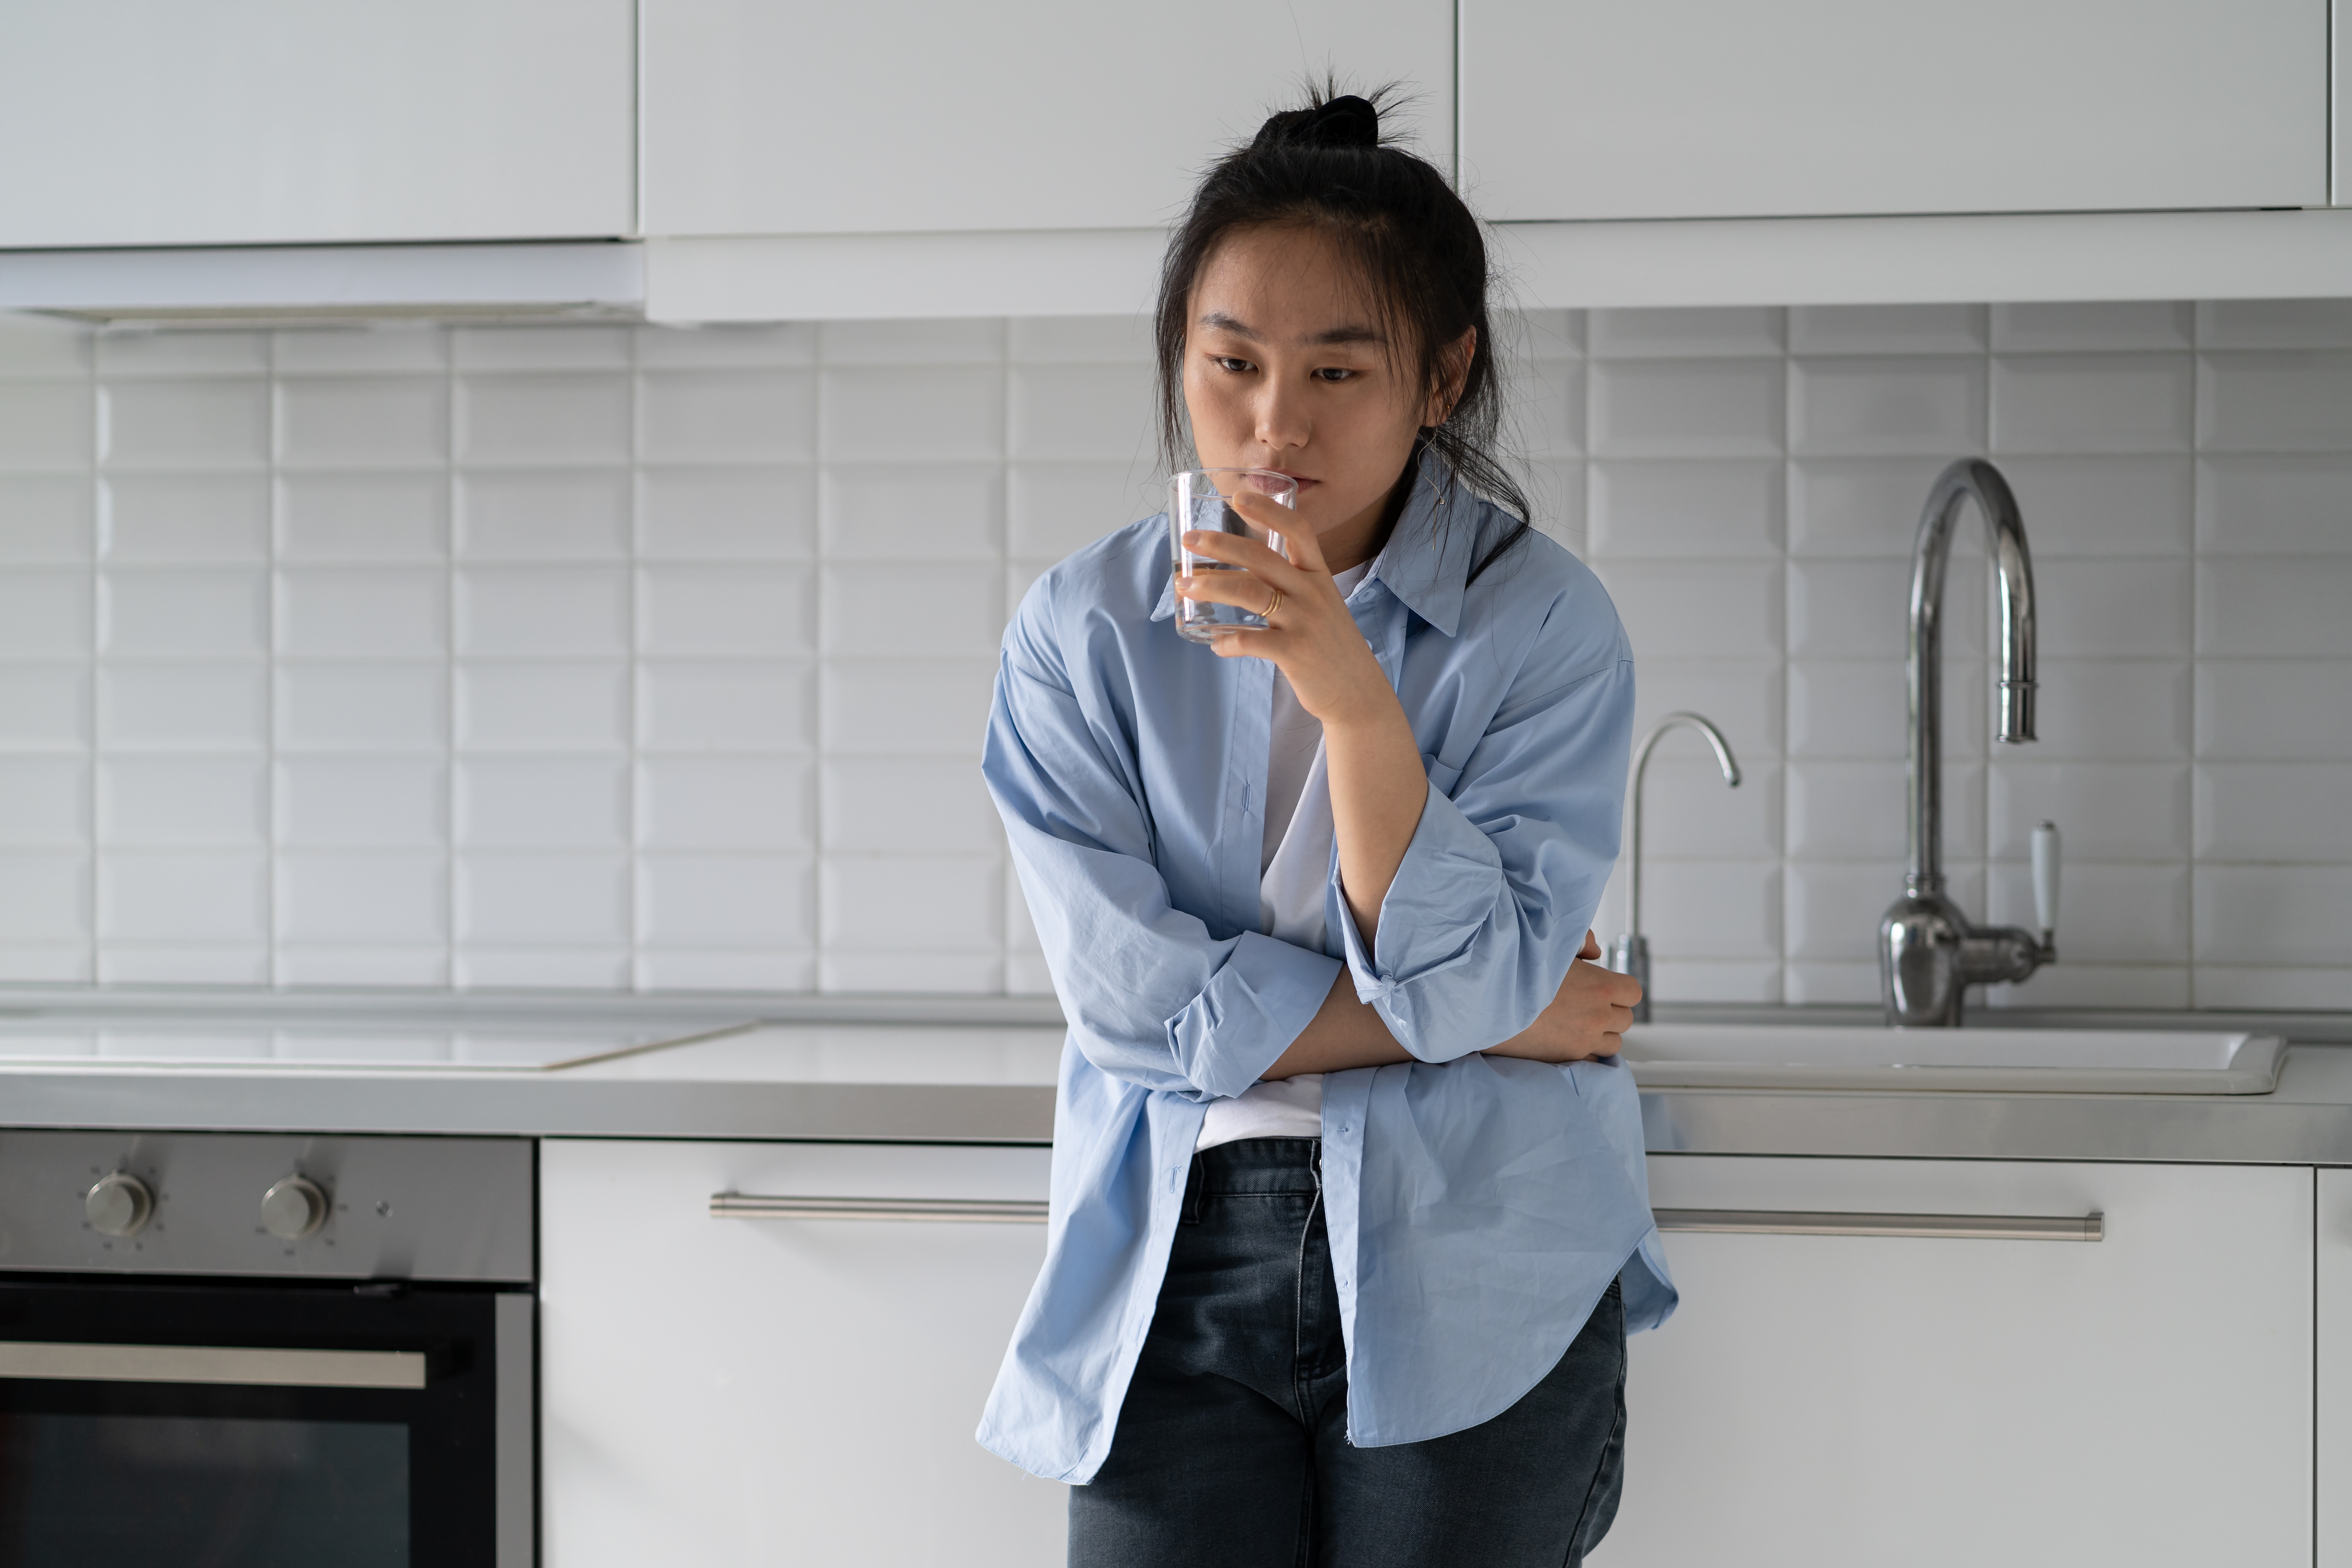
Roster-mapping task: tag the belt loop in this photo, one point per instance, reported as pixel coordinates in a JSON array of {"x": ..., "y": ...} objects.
[{"x": 1195, "y": 1188}]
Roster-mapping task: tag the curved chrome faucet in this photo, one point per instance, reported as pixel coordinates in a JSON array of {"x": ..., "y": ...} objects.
[
  {"x": 1928, "y": 953},
  {"x": 1630, "y": 953}
]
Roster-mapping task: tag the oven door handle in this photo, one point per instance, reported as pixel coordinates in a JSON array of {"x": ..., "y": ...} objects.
[
  {"x": 1810, "y": 1222},
  {"x": 55, "y": 1362},
  {"x": 983, "y": 1211}
]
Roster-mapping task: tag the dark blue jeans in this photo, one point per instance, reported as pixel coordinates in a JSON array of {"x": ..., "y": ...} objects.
[{"x": 1232, "y": 1447}]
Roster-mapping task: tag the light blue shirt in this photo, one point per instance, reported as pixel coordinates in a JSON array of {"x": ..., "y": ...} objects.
[{"x": 1478, "y": 1206}]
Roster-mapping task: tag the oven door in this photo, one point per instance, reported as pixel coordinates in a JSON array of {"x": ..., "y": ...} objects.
[{"x": 375, "y": 1426}]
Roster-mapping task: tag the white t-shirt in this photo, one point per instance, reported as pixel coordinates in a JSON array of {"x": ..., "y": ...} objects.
[{"x": 1293, "y": 868}]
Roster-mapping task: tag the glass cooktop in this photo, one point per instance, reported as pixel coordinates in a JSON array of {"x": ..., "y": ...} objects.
[{"x": 496, "y": 1044}]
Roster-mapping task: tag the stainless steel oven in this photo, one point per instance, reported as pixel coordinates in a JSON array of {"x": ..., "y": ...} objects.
[{"x": 263, "y": 1350}]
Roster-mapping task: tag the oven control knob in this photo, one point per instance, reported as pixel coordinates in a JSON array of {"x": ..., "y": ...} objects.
[
  {"x": 293, "y": 1208},
  {"x": 119, "y": 1205}
]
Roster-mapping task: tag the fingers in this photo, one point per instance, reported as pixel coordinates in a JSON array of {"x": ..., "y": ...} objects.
[
  {"x": 1591, "y": 948},
  {"x": 1250, "y": 554},
  {"x": 1275, "y": 518},
  {"x": 1242, "y": 590}
]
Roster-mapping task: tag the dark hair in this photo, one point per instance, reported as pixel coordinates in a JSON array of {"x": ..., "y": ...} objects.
[{"x": 1418, "y": 247}]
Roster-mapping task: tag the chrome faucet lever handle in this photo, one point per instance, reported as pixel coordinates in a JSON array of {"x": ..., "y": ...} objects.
[{"x": 1630, "y": 953}]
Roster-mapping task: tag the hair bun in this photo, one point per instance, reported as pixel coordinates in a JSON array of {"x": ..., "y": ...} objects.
[{"x": 1347, "y": 120}]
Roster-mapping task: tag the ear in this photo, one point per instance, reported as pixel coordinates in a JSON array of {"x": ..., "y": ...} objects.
[{"x": 1452, "y": 369}]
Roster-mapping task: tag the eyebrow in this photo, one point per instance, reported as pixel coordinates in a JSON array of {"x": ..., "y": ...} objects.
[{"x": 1348, "y": 334}]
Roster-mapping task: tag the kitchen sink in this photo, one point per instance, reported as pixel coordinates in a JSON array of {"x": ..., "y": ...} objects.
[{"x": 2001, "y": 1061}]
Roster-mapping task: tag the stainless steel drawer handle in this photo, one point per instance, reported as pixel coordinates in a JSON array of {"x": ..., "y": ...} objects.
[
  {"x": 981, "y": 1211},
  {"x": 53, "y": 1362},
  {"x": 1809, "y": 1222}
]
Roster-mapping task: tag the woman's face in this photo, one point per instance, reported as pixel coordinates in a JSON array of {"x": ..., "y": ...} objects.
[{"x": 1286, "y": 367}]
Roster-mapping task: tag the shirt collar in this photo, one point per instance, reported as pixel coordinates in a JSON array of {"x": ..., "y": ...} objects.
[{"x": 1426, "y": 561}]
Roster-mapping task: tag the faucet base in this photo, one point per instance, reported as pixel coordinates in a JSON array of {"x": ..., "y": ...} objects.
[{"x": 1929, "y": 955}]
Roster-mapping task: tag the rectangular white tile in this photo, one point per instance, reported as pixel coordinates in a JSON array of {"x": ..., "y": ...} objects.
[
  {"x": 182, "y": 706},
  {"x": 1541, "y": 334},
  {"x": 2274, "y": 402},
  {"x": 547, "y": 348},
  {"x": 2106, "y": 913},
  {"x": 44, "y": 898},
  {"x": 1832, "y": 915},
  {"x": 1685, "y": 332},
  {"x": 727, "y": 415},
  {"x": 1027, "y": 974},
  {"x": 199, "y": 352},
  {"x": 34, "y": 345},
  {"x": 362, "y": 802},
  {"x": 44, "y": 803},
  {"x": 1886, "y": 328},
  {"x": 708, "y": 705},
  {"x": 1081, "y": 413},
  {"x": 2274, "y": 709},
  {"x": 363, "y": 422},
  {"x": 343, "y": 612},
  {"x": 192, "y": 518},
  {"x": 2104, "y": 811},
  {"x": 2274, "y": 505},
  {"x": 2283, "y": 811},
  {"x": 1855, "y": 407},
  {"x": 914, "y": 342},
  {"x": 2275, "y": 914},
  {"x": 2225, "y": 985},
  {"x": 543, "y": 515},
  {"x": 542, "y": 968},
  {"x": 950, "y": 972},
  {"x": 413, "y": 346},
  {"x": 2104, "y": 506},
  {"x": 910, "y": 610},
  {"x": 1080, "y": 340},
  {"x": 183, "y": 802},
  {"x": 1743, "y": 697},
  {"x": 726, "y": 513},
  {"x": 1858, "y": 506},
  {"x": 950, "y": 415},
  {"x": 376, "y": 899},
  {"x": 1853, "y": 609},
  {"x": 1704, "y": 979},
  {"x": 1726, "y": 507},
  {"x": 725, "y": 803},
  {"x": 1859, "y": 709},
  {"x": 182, "y": 897},
  {"x": 362, "y": 707},
  {"x": 1555, "y": 488},
  {"x": 45, "y": 707},
  {"x": 2114, "y": 608},
  {"x": 45, "y": 614},
  {"x": 552, "y": 900},
  {"x": 1545, "y": 403},
  {"x": 369, "y": 966},
  {"x": 2067, "y": 983},
  {"x": 732, "y": 901},
  {"x": 184, "y": 424},
  {"x": 1052, "y": 509},
  {"x": 2078, "y": 326},
  {"x": 907, "y": 807},
  {"x": 906, "y": 706},
  {"x": 363, "y": 517},
  {"x": 1861, "y": 811},
  {"x": 543, "y": 610},
  {"x": 124, "y": 964},
  {"x": 1697, "y": 610},
  {"x": 543, "y": 420},
  {"x": 168, "y": 610},
  {"x": 2275, "y": 608},
  {"x": 1712, "y": 910},
  {"x": 1690, "y": 814},
  {"x": 726, "y": 346},
  {"x": 729, "y": 612},
  {"x": 579, "y": 705},
  {"x": 2275, "y": 323},
  {"x": 24, "y": 963},
  {"x": 2074, "y": 403},
  {"x": 534, "y": 803},
  {"x": 46, "y": 425},
  {"x": 942, "y": 512},
  {"x": 1688, "y": 408},
  {"x": 45, "y": 520},
  {"x": 2112, "y": 710},
  {"x": 724, "y": 969},
  {"x": 940, "y": 903}
]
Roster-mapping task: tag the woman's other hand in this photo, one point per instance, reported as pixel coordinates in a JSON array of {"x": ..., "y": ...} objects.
[{"x": 1586, "y": 1021}]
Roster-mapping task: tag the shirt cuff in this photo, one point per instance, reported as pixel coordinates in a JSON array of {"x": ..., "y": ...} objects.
[
  {"x": 1443, "y": 895},
  {"x": 1259, "y": 1001}
]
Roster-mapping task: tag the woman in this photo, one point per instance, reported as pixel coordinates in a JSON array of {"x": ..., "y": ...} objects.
[{"x": 1349, "y": 1218}]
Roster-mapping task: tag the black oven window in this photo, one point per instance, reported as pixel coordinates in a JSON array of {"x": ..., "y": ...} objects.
[{"x": 176, "y": 1491}]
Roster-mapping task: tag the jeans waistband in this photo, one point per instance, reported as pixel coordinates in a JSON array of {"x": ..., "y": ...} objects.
[{"x": 1258, "y": 1166}]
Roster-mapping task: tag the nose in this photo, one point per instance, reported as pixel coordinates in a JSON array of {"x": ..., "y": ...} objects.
[{"x": 1282, "y": 423}]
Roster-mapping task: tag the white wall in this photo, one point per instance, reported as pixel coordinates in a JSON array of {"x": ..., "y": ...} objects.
[{"x": 600, "y": 657}]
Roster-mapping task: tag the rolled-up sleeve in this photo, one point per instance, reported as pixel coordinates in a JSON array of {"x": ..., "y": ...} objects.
[
  {"x": 1506, "y": 868},
  {"x": 1151, "y": 996}
]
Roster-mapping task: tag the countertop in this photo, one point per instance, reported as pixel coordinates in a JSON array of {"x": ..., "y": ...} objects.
[{"x": 885, "y": 1069}]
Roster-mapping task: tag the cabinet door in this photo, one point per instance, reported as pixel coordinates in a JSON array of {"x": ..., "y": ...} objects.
[
  {"x": 139, "y": 123},
  {"x": 1851, "y": 1401},
  {"x": 1599, "y": 109},
  {"x": 909, "y": 115},
  {"x": 2334, "y": 1381},
  {"x": 728, "y": 1391}
]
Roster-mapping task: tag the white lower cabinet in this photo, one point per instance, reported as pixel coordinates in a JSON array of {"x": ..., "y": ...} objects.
[
  {"x": 1844, "y": 1401},
  {"x": 718, "y": 1392},
  {"x": 2334, "y": 1339}
]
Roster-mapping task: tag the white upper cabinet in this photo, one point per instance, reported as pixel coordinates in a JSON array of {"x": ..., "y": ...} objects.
[
  {"x": 1607, "y": 108},
  {"x": 900, "y": 116},
  {"x": 158, "y": 122}
]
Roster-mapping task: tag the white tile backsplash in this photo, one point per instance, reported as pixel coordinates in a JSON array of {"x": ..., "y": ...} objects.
[{"x": 655, "y": 657}]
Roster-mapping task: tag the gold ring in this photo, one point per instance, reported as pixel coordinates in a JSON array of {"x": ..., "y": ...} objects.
[{"x": 1272, "y": 605}]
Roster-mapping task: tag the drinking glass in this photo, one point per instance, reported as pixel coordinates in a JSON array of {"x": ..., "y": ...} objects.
[{"x": 1198, "y": 499}]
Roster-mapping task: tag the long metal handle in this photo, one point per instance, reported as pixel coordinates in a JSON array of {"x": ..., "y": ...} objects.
[
  {"x": 1809, "y": 1222},
  {"x": 53, "y": 1362},
  {"x": 983, "y": 1211}
]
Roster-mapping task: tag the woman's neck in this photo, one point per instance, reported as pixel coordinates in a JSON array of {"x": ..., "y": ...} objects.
[{"x": 1365, "y": 535}]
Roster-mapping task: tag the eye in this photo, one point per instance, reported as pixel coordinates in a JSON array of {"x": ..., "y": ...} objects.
[
  {"x": 1229, "y": 365},
  {"x": 1333, "y": 373}
]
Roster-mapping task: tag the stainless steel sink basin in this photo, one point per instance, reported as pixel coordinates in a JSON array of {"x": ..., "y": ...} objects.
[{"x": 2003, "y": 1061}]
